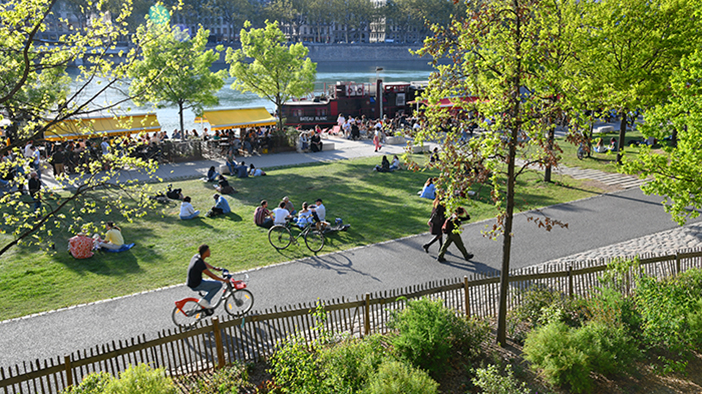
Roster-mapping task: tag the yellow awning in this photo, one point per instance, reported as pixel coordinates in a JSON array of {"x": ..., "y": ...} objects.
[
  {"x": 237, "y": 118},
  {"x": 102, "y": 127}
]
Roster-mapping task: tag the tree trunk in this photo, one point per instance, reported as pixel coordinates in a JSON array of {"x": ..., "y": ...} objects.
[
  {"x": 622, "y": 135},
  {"x": 180, "y": 114},
  {"x": 514, "y": 124},
  {"x": 551, "y": 137}
]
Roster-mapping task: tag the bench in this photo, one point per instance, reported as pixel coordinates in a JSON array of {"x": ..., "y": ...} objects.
[
  {"x": 603, "y": 130},
  {"x": 395, "y": 140},
  {"x": 328, "y": 146},
  {"x": 420, "y": 149},
  {"x": 223, "y": 169}
]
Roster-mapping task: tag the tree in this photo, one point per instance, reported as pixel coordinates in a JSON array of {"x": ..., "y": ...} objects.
[
  {"x": 175, "y": 69},
  {"x": 35, "y": 96},
  {"x": 630, "y": 50},
  {"x": 502, "y": 54},
  {"x": 675, "y": 171},
  {"x": 278, "y": 72}
]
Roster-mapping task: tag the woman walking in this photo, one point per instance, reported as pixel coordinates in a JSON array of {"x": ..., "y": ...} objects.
[
  {"x": 437, "y": 219},
  {"x": 376, "y": 140}
]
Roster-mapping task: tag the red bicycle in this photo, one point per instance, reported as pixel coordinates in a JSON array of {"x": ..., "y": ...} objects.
[{"x": 238, "y": 301}]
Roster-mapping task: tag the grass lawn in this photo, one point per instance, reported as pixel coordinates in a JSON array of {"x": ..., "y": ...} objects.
[
  {"x": 379, "y": 207},
  {"x": 606, "y": 162}
]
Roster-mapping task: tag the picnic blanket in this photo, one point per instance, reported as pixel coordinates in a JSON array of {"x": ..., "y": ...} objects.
[{"x": 124, "y": 247}]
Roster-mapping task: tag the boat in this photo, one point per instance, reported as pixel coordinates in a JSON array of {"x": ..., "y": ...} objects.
[{"x": 355, "y": 100}]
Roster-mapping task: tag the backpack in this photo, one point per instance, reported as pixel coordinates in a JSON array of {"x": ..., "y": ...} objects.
[{"x": 447, "y": 227}]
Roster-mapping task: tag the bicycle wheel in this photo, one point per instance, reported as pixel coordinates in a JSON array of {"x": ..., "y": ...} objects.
[
  {"x": 239, "y": 302},
  {"x": 280, "y": 237},
  {"x": 314, "y": 240},
  {"x": 191, "y": 314}
]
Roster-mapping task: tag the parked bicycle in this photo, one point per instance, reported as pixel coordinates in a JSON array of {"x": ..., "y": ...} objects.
[
  {"x": 281, "y": 236},
  {"x": 237, "y": 302}
]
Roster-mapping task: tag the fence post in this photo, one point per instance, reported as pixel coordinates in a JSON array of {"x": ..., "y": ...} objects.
[
  {"x": 218, "y": 342},
  {"x": 677, "y": 263},
  {"x": 69, "y": 370},
  {"x": 366, "y": 315},
  {"x": 466, "y": 294},
  {"x": 570, "y": 281}
]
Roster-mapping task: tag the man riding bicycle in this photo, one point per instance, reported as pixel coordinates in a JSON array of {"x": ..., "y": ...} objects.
[{"x": 199, "y": 266}]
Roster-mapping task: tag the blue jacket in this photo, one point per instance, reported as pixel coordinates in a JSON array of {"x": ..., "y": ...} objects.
[{"x": 223, "y": 204}]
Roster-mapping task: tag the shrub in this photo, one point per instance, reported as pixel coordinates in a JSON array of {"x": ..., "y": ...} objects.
[
  {"x": 610, "y": 349},
  {"x": 294, "y": 367},
  {"x": 226, "y": 380},
  {"x": 427, "y": 331},
  {"x": 141, "y": 379},
  {"x": 611, "y": 307},
  {"x": 347, "y": 366},
  {"x": 94, "y": 383},
  {"x": 395, "y": 377},
  {"x": 492, "y": 382},
  {"x": 553, "y": 350}
]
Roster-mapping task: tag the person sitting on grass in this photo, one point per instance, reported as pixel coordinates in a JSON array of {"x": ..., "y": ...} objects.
[
  {"x": 242, "y": 171},
  {"x": 600, "y": 148},
  {"x": 395, "y": 165},
  {"x": 262, "y": 216},
  {"x": 384, "y": 165},
  {"x": 289, "y": 206},
  {"x": 187, "y": 211},
  {"x": 212, "y": 175},
  {"x": 80, "y": 246},
  {"x": 305, "y": 216},
  {"x": 281, "y": 215},
  {"x": 223, "y": 186},
  {"x": 221, "y": 206},
  {"x": 429, "y": 190},
  {"x": 113, "y": 238}
]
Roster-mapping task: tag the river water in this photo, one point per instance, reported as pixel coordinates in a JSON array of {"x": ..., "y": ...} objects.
[{"x": 327, "y": 73}]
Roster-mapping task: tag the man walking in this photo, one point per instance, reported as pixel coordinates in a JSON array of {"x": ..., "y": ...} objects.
[{"x": 453, "y": 222}]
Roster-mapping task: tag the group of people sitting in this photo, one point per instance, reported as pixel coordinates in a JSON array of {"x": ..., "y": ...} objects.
[
  {"x": 308, "y": 214},
  {"x": 187, "y": 211},
  {"x": 81, "y": 246},
  {"x": 386, "y": 166}
]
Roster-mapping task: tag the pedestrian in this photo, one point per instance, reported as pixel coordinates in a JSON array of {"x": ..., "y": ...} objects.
[
  {"x": 376, "y": 140},
  {"x": 453, "y": 222},
  {"x": 436, "y": 221},
  {"x": 34, "y": 191}
]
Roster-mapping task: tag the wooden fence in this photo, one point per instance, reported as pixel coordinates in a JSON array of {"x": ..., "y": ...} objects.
[{"x": 253, "y": 337}]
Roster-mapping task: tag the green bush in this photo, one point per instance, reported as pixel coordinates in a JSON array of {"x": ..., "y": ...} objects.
[
  {"x": 92, "y": 384},
  {"x": 395, "y": 377},
  {"x": 492, "y": 382},
  {"x": 611, "y": 307},
  {"x": 540, "y": 305},
  {"x": 553, "y": 350},
  {"x": 427, "y": 332},
  {"x": 227, "y": 380},
  {"x": 567, "y": 355},
  {"x": 295, "y": 369},
  {"x": 141, "y": 379},
  {"x": 348, "y": 365}
]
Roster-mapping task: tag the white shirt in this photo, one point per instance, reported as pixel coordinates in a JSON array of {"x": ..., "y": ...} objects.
[
  {"x": 280, "y": 215},
  {"x": 321, "y": 211},
  {"x": 186, "y": 209}
]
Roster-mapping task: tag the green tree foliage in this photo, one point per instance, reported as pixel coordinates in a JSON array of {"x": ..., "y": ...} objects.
[
  {"x": 175, "y": 69},
  {"x": 505, "y": 54},
  {"x": 675, "y": 171},
  {"x": 630, "y": 49},
  {"x": 35, "y": 95},
  {"x": 277, "y": 72}
]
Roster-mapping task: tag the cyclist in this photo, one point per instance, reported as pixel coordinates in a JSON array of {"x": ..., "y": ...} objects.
[{"x": 199, "y": 266}]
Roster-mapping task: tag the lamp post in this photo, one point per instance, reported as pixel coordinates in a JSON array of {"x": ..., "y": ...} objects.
[{"x": 379, "y": 87}]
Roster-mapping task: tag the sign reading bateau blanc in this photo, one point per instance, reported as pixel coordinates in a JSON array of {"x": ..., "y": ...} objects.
[
  {"x": 102, "y": 126},
  {"x": 313, "y": 118},
  {"x": 237, "y": 118}
]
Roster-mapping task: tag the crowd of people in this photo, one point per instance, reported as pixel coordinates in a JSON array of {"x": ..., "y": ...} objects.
[{"x": 285, "y": 211}]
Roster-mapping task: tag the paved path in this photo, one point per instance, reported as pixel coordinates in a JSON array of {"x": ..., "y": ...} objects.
[{"x": 603, "y": 225}]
